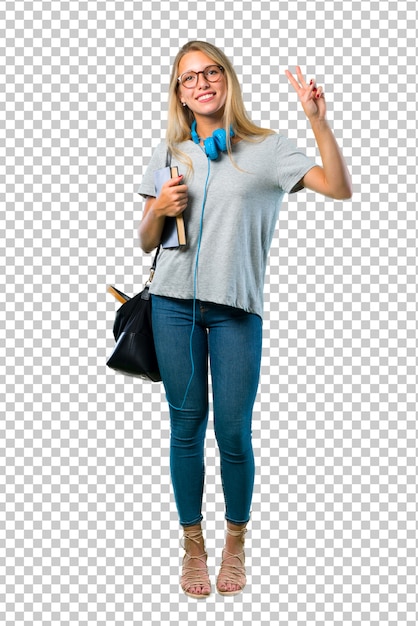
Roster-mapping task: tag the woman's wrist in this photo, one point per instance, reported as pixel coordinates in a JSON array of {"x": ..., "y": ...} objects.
[{"x": 319, "y": 123}]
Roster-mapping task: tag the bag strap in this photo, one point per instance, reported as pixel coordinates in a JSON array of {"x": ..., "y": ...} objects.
[
  {"x": 154, "y": 262},
  {"x": 153, "y": 266}
]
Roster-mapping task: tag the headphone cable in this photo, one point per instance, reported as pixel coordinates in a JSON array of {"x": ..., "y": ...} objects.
[{"x": 199, "y": 242}]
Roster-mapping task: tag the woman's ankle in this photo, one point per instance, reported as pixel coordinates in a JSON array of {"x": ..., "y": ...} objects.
[
  {"x": 193, "y": 541},
  {"x": 235, "y": 537},
  {"x": 235, "y": 528}
]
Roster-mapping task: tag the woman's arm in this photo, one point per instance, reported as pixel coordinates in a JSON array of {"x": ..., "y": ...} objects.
[
  {"x": 333, "y": 178},
  {"x": 150, "y": 227},
  {"x": 171, "y": 202}
]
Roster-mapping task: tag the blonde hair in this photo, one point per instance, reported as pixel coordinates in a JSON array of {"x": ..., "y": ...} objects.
[{"x": 181, "y": 118}]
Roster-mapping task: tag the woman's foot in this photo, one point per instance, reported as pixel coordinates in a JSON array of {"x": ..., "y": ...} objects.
[
  {"x": 231, "y": 579},
  {"x": 195, "y": 578}
]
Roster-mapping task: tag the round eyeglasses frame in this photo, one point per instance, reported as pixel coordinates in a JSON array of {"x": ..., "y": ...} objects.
[{"x": 205, "y": 74}]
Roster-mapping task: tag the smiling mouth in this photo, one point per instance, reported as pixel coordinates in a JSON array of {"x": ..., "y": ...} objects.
[{"x": 206, "y": 96}]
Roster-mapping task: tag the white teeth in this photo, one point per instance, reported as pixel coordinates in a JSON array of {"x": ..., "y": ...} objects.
[{"x": 206, "y": 97}]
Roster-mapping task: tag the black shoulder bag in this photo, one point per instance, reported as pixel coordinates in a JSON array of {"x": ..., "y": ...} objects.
[{"x": 134, "y": 352}]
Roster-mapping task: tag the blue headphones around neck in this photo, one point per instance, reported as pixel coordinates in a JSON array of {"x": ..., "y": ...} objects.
[{"x": 214, "y": 143}]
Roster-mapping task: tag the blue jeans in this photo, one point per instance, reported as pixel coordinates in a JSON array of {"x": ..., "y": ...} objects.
[{"x": 231, "y": 338}]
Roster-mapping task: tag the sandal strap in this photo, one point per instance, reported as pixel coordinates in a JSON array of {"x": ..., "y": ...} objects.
[
  {"x": 194, "y": 576},
  {"x": 232, "y": 573},
  {"x": 237, "y": 533},
  {"x": 192, "y": 536}
]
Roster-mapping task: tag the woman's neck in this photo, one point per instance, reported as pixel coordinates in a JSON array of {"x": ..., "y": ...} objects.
[{"x": 206, "y": 126}]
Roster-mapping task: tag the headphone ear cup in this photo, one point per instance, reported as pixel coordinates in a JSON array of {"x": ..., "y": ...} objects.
[
  {"x": 210, "y": 148},
  {"x": 214, "y": 143},
  {"x": 219, "y": 136}
]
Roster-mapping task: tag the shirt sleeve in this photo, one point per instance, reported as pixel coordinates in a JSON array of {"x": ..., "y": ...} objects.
[
  {"x": 292, "y": 165},
  {"x": 158, "y": 160}
]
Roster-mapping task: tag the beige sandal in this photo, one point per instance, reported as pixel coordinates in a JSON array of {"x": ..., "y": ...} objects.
[
  {"x": 229, "y": 572},
  {"x": 194, "y": 576}
]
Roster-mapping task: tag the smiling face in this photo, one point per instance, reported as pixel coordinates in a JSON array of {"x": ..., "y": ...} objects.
[{"x": 206, "y": 100}]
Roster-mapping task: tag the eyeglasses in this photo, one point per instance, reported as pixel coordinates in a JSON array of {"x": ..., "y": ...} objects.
[{"x": 212, "y": 74}]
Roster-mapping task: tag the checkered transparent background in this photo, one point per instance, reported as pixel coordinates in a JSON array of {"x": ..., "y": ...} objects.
[{"x": 88, "y": 527}]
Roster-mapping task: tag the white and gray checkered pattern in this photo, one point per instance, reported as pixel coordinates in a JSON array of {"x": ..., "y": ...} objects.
[{"x": 88, "y": 527}]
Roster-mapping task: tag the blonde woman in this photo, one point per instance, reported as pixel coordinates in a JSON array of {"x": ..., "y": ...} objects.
[{"x": 207, "y": 296}]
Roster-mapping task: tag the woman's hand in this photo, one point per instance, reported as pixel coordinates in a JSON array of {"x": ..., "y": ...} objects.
[
  {"x": 311, "y": 96},
  {"x": 172, "y": 199},
  {"x": 171, "y": 202}
]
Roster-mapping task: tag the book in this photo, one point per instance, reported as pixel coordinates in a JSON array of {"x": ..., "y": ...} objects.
[
  {"x": 174, "y": 232},
  {"x": 119, "y": 295}
]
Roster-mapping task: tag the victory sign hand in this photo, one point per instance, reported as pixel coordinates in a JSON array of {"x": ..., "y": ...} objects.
[{"x": 310, "y": 96}]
